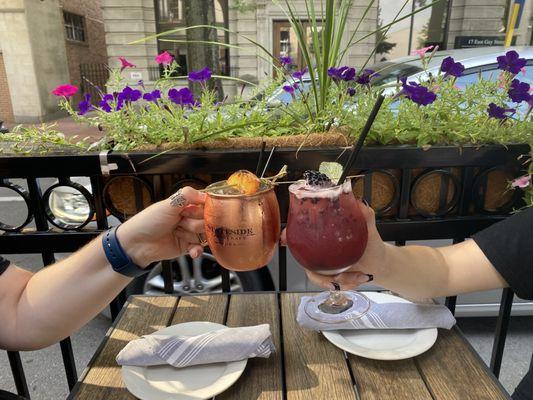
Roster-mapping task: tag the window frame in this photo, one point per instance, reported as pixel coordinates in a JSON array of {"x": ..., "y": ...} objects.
[{"x": 69, "y": 24}]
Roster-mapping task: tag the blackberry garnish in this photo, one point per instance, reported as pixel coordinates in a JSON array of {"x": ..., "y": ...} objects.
[{"x": 315, "y": 178}]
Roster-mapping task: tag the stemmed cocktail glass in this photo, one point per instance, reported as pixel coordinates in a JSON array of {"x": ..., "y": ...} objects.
[{"x": 326, "y": 234}]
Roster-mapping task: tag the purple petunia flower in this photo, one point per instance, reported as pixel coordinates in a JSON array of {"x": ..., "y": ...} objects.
[
  {"x": 350, "y": 91},
  {"x": 417, "y": 93},
  {"x": 450, "y": 67},
  {"x": 200, "y": 76},
  {"x": 152, "y": 96},
  {"x": 183, "y": 97},
  {"x": 519, "y": 91},
  {"x": 499, "y": 112},
  {"x": 365, "y": 77},
  {"x": 511, "y": 62},
  {"x": 291, "y": 88},
  {"x": 299, "y": 74},
  {"x": 85, "y": 105},
  {"x": 285, "y": 60},
  {"x": 342, "y": 74},
  {"x": 104, "y": 103},
  {"x": 129, "y": 94}
]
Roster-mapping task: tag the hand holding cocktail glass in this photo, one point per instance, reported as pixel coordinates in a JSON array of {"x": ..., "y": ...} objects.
[{"x": 326, "y": 228}]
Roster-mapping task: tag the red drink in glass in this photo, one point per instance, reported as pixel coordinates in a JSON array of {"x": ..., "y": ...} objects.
[{"x": 326, "y": 230}]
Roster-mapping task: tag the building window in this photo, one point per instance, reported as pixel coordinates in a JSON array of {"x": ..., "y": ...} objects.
[
  {"x": 74, "y": 26},
  {"x": 170, "y": 11}
]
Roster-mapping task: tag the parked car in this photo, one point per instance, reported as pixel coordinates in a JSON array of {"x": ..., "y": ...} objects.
[{"x": 478, "y": 62}]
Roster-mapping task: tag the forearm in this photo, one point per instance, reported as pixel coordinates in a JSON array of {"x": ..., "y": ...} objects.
[
  {"x": 62, "y": 297},
  {"x": 427, "y": 272},
  {"x": 414, "y": 271}
]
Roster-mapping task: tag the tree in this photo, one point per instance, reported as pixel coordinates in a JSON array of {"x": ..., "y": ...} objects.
[
  {"x": 200, "y": 55},
  {"x": 382, "y": 45}
]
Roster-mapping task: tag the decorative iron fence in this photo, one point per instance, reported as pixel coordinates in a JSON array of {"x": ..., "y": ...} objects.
[{"x": 93, "y": 79}]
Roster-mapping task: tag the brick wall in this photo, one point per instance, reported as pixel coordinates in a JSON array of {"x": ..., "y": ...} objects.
[
  {"x": 6, "y": 108},
  {"x": 94, "y": 48}
]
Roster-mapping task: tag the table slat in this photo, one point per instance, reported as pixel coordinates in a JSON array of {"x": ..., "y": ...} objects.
[
  {"x": 201, "y": 308},
  {"x": 262, "y": 378},
  {"x": 388, "y": 380},
  {"x": 314, "y": 368},
  {"x": 144, "y": 315},
  {"x": 452, "y": 371}
]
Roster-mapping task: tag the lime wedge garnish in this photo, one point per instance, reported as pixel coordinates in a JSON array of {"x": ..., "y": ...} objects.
[{"x": 333, "y": 170}]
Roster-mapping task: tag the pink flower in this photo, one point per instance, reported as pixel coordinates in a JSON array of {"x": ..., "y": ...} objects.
[
  {"x": 164, "y": 58},
  {"x": 65, "y": 90},
  {"x": 522, "y": 182},
  {"x": 501, "y": 81},
  {"x": 523, "y": 70},
  {"x": 125, "y": 64},
  {"x": 421, "y": 52}
]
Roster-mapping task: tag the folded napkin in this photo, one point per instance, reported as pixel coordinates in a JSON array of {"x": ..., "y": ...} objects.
[
  {"x": 224, "y": 345},
  {"x": 378, "y": 316}
]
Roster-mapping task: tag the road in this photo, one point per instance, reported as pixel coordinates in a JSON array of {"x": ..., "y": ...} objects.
[{"x": 44, "y": 368}]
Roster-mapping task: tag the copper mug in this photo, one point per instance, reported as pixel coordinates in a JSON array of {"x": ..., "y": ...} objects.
[{"x": 242, "y": 230}]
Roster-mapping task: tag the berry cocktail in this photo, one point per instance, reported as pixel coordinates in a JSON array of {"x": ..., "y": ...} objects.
[
  {"x": 327, "y": 233},
  {"x": 326, "y": 230}
]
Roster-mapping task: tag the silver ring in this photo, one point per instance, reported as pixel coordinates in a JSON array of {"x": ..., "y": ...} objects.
[{"x": 178, "y": 199}]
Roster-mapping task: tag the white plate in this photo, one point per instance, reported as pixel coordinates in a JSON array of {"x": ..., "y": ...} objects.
[
  {"x": 393, "y": 344},
  {"x": 165, "y": 382}
]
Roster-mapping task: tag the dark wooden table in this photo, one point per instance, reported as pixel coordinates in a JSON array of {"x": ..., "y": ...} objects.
[{"x": 306, "y": 366}]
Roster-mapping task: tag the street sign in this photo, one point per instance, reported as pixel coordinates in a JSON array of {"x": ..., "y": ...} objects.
[{"x": 465, "y": 42}]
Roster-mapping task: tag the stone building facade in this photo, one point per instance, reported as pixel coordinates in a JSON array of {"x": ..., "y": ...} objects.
[
  {"x": 450, "y": 24},
  {"x": 130, "y": 20},
  {"x": 39, "y": 52}
]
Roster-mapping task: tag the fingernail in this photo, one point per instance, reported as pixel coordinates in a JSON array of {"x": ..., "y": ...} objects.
[
  {"x": 370, "y": 277},
  {"x": 194, "y": 253}
]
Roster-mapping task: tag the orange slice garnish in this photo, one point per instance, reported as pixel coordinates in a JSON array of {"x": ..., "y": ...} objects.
[{"x": 244, "y": 181}]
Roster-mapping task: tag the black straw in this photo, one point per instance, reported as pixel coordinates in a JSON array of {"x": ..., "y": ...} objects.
[
  {"x": 356, "y": 148},
  {"x": 261, "y": 156}
]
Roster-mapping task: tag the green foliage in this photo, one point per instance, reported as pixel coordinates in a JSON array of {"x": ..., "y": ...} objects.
[
  {"x": 243, "y": 6},
  {"x": 40, "y": 139},
  {"x": 457, "y": 117}
]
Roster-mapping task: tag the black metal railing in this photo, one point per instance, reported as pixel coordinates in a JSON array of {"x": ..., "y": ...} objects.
[{"x": 457, "y": 181}]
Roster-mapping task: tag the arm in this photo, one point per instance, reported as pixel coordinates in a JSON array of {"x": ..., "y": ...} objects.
[
  {"x": 40, "y": 309},
  {"x": 418, "y": 271}
]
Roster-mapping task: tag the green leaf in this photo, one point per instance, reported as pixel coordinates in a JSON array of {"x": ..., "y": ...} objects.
[{"x": 333, "y": 170}]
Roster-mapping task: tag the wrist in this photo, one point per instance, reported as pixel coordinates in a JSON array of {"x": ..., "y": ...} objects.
[
  {"x": 388, "y": 257},
  {"x": 133, "y": 246}
]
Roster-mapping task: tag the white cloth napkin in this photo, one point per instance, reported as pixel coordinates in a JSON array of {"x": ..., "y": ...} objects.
[
  {"x": 223, "y": 345},
  {"x": 378, "y": 316}
]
